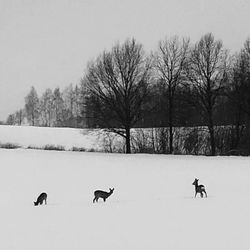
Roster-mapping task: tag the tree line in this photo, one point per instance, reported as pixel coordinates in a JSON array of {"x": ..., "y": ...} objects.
[
  {"x": 54, "y": 108},
  {"x": 178, "y": 85}
]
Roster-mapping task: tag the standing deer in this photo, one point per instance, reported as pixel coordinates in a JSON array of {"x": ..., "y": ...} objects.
[
  {"x": 199, "y": 188},
  {"x": 42, "y": 197},
  {"x": 102, "y": 194}
]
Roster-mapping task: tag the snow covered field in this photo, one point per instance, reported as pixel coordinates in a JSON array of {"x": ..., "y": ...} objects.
[
  {"x": 28, "y": 136},
  {"x": 152, "y": 207}
]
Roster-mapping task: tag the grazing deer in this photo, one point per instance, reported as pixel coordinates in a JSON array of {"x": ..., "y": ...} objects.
[
  {"x": 199, "y": 188},
  {"x": 42, "y": 197},
  {"x": 102, "y": 194}
]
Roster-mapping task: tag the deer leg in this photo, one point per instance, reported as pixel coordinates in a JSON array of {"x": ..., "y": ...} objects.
[
  {"x": 94, "y": 200},
  {"x": 104, "y": 199},
  {"x": 205, "y": 193},
  {"x": 195, "y": 194},
  {"x": 201, "y": 194}
]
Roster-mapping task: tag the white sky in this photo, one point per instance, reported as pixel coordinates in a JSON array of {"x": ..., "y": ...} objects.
[{"x": 47, "y": 43}]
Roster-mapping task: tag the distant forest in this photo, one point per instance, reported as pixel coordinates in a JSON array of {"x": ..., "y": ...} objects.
[{"x": 178, "y": 85}]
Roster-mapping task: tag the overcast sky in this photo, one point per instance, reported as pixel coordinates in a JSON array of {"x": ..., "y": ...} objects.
[{"x": 47, "y": 43}]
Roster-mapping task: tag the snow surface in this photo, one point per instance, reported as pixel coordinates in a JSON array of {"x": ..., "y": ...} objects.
[
  {"x": 152, "y": 207},
  {"x": 26, "y": 136}
]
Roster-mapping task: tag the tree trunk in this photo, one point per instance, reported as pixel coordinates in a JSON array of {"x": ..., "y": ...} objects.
[
  {"x": 211, "y": 133},
  {"x": 33, "y": 119},
  {"x": 128, "y": 146},
  {"x": 210, "y": 116},
  {"x": 237, "y": 130},
  {"x": 170, "y": 122}
]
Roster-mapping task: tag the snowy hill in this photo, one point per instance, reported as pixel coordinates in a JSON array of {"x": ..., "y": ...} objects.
[{"x": 38, "y": 137}]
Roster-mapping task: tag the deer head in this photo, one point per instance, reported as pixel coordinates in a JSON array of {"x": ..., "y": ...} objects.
[{"x": 195, "y": 182}]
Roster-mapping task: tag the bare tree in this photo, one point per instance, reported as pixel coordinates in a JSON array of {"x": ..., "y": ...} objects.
[
  {"x": 119, "y": 82},
  {"x": 19, "y": 116},
  {"x": 69, "y": 99},
  {"x": 207, "y": 72},
  {"x": 71, "y": 104},
  {"x": 58, "y": 107},
  {"x": 32, "y": 106},
  {"x": 238, "y": 93},
  {"x": 170, "y": 63},
  {"x": 46, "y": 108},
  {"x": 10, "y": 119}
]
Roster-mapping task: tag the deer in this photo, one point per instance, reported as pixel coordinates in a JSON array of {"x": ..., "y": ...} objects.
[
  {"x": 42, "y": 197},
  {"x": 199, "y": 188},
  {"x": 102, "y": 194}
]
